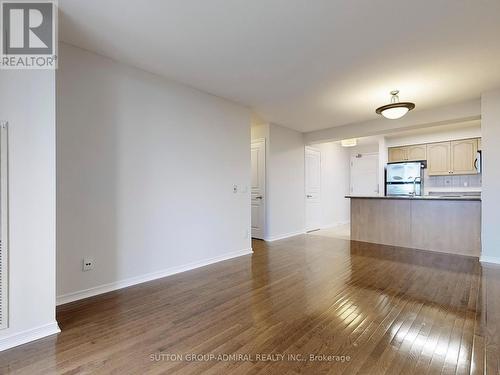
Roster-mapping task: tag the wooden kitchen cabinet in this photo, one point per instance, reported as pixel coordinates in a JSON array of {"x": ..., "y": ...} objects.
[
  {"x": 439, "y": 158},
  {"x": 397, "y": 154},
  {"x": 443, "y": 158},
  {"x": 407, "y": 153},
  {"x": 463, "y": 156},
  {"x": 455, "y": 157},
  {"x": 417, "y": 153}
]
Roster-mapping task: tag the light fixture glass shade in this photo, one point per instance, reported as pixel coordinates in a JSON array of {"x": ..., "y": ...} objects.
[
  {"x": 394, "y": 113},
  {"x": 349, "y": 142},
  {"x": 396, "y": 109}
]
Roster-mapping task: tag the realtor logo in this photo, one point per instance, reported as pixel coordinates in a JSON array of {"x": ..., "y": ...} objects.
[{"x": 28, "y": 34}]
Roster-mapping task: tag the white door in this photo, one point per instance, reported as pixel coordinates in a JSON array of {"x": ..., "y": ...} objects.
[
  {"x": 364, "y": 174},
  {"x": 313, "y": 188},
  {"x": 258, "y": 188}
]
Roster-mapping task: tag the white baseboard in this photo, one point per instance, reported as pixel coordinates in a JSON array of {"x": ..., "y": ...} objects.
[
  {"x": 28, "y": 335},
  {"x": 283, "y": 236},
  {"x": 75, "y": 296},
  {"x": 487, "y": 259}
]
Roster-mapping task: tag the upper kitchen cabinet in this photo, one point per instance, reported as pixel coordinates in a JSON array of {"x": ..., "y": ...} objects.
[
  {"x": 439, "y": 158},
  {"x": 397, "y": 154},
  {"x": 443, "y": 158},
  {"x": 479, "y": 145},
  {"x": 407, "y": 153},
  {"x": 463, "y": 156},
  {"x": 417, "y": 152},
  {"x": 455, "y": 157}
]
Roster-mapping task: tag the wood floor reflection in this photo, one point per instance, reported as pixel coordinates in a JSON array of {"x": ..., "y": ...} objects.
[{"x": 356, "y": 307}]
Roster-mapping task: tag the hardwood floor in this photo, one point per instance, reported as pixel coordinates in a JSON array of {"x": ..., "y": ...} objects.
[{"x": 373, "y": 309}]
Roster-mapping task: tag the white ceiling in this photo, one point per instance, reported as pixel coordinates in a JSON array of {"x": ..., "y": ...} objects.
[{"x": 301, "y": 63}]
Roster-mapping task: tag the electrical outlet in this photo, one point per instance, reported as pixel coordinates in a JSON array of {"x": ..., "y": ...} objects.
[{"x": 88, "y": 264}]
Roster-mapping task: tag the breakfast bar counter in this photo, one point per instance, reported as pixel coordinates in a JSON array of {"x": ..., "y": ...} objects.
[{"x": 437, "y": 223}]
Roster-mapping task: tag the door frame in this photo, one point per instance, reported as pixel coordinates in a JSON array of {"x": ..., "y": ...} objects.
[{"x": 263, "y": 202}]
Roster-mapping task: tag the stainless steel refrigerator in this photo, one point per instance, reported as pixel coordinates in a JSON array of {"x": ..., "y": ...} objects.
[{"x": 404, "y": 179}]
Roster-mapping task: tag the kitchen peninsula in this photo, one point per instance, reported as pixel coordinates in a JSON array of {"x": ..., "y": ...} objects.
[{"x": 437, "y": 223}]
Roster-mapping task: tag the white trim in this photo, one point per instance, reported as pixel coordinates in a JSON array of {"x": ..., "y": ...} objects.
[
  {"x": 487, "y": 259},
  {"x": 33, "y": 334},
  {"x": 4, "y": 224},
  {"x": 105, "y": 288},
  {"x": 283, "y": 236},
  {"x": 257, "y": 140}
]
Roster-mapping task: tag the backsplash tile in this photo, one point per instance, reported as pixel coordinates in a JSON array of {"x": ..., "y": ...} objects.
[{"x": 451, "y": 183}]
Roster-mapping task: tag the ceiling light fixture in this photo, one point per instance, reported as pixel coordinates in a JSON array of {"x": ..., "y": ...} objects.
[
  {"x": 349, "y": 142},
  {"x": 396, "y": 109}
]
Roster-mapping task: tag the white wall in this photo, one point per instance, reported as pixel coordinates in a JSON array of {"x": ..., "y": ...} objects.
[
  {"x": 370, "y": 148},
  {"x": 146, "y": 169},
  {"x": 490, "y": 127},
  {"x": 335, "y": 161},
  {"x": 285, "y": 183},
  {"x": 441, "y": 134},
  {"x": 259, "y": 130},
  {"x": 27, "y": 101}
]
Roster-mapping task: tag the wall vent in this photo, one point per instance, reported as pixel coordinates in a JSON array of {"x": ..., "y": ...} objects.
[{"x": 4, "y": 226}]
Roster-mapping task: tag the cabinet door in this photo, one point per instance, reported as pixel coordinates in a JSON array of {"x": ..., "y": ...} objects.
[
  {"x": 463, "y": 156},
  {"x": 417, "y": 152},
  {"x": 439, "y": 158},
  {"x": 479, "y": 144},
  {"x": 398, "y": 154}
]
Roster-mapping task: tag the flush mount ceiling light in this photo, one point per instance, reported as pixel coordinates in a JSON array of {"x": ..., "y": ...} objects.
[
  {"x": 396, "y": 109},
  {"x": 349, "y": 142}
]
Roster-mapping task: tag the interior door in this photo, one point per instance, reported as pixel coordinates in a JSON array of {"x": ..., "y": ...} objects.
[
  {"x": 313, "y": 188},
  {"x": 364, "y": 175},
  {"x": 258, "y": 158}
]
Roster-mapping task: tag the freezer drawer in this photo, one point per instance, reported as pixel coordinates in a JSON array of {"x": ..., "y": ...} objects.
[{"x": 403, "y": 189}]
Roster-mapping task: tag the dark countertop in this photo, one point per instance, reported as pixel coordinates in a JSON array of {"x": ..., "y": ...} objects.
[{"x": 425, "y": 197}]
